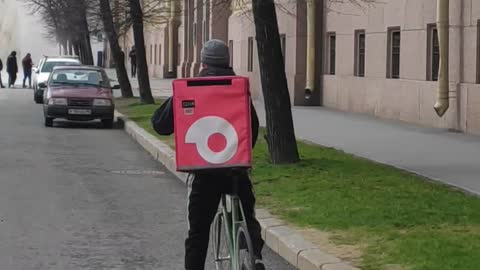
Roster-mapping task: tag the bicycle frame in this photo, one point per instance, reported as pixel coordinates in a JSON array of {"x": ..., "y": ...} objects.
[{"x": 234, "y": 217}]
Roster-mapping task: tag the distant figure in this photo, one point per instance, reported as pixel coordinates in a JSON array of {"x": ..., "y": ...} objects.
[
  {"x": 12, "y": 69},
  {"x": 27, "y": 64},
  {"x": 133, "y": 61},
  {"x": 1, "y": 68}
]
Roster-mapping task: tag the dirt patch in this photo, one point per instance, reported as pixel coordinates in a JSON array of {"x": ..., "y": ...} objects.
[{"x": 349, "y": 253}]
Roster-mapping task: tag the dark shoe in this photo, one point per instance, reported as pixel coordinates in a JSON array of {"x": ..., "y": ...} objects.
[{"x": 259, "y": 265}]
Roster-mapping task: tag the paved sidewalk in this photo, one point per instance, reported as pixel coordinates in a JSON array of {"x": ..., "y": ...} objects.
[
  {"x": 448, "y": 157},
  {"x": 160, "y": 87},
  {"x": 451, "y": 158}
]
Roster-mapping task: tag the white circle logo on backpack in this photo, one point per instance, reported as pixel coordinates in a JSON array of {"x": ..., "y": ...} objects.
[{"x": 201, "y": 130}]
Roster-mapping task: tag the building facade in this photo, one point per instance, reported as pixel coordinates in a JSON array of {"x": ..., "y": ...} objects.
[{"x": 380, "y": 59}]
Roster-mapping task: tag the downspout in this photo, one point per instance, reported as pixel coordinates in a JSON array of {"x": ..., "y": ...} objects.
[
  {"x": 310, "y": 61},
  {"x": 443, "y": 23},
  {"x": 171, "y": 29}
]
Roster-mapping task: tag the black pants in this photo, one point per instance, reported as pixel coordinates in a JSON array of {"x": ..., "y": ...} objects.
[
  {"x": 134, "y": 70},
  {"x": 203, "y": 204},
  {"x": 27, "y": 74},
  {"x": 12, "y": 77}
]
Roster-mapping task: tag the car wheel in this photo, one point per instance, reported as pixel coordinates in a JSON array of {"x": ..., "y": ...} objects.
[
  {"x": 38, "y": 99},
  {"x": 107, "y": 123},
  {"x": 48, "y": 122}
]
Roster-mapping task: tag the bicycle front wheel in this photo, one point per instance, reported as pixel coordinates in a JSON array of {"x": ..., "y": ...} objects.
[
  {"x": 221, "y": 245},
  {"x": 244, "y": 250}
]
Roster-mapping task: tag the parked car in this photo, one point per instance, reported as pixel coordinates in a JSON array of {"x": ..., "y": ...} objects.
[
  {"x": 78, "y": 93},
  {"x": 45, "y": 67}
]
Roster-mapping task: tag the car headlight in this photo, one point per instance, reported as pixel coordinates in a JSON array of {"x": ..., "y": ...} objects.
[
  {"x": 57, "y": 101},
  {"x": 102, "y": 102}
]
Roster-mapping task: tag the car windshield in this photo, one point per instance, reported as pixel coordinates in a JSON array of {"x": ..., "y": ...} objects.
[
  {"x": 48, "y": 66},
  {"x": 79, "y": 77}
]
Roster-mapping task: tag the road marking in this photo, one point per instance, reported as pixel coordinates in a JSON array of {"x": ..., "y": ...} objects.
[{"x": 138, "y": 172}]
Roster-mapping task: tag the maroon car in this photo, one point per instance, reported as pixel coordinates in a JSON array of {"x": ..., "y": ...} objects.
[{"x": 79, "y": 93}]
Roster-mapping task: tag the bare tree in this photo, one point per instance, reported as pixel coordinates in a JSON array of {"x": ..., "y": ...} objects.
[
  {"x": 280, "y": 129},
  {"x": 281, "y": 140},
  {"x": 118, "y": 55},
  {"x": 136, "y": 14},
  {"x": 67, "y": 22}
]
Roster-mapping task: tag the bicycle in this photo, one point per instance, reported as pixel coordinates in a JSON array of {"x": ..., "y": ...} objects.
[{"x": 232, "y": 245}]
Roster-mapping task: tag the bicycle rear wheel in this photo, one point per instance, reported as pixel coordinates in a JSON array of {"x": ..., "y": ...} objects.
[
  {"x": 221, "y": 250},
  {"x": 244, "y": 250}
]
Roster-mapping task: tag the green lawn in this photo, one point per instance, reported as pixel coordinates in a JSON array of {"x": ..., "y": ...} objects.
[
  {"x": 142, "y": 114},
  {"x": 393, "y": 217}
]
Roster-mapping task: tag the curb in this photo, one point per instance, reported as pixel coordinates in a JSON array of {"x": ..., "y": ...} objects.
[{"x": 282, "y": 239}]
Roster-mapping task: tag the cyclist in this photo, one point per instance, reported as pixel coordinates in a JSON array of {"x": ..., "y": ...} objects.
[{"x": 207, "y": 187}]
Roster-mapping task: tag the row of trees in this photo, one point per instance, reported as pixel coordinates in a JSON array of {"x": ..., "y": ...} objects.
[{"x": 72, "y": 22}]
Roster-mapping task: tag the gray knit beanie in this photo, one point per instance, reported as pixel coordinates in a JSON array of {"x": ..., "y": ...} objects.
[{"x": 215, "y": 53}]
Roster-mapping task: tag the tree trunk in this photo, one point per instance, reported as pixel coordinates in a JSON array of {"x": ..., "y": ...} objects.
[
  {"x": 85, "y": 40},
  {"x": 88, "y": 50},
  {"x": 81, "y": 47},
  {"x": 76, "y": 48},
  {"x": 70, "y": 48},
  {"x": 282, "y": 144},
  {"x": 64, "y": 47},
  {"x": 117, "y": 53},
  {"x": 142, "y": 68}
]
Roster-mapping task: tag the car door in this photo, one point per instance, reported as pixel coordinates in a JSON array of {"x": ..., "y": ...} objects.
[{"x": 37, "y": 71}]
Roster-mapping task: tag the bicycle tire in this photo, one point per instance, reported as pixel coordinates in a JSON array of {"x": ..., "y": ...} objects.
[
  {"x": 244, "y": 249},
  {"x": 221, "y": 254}
]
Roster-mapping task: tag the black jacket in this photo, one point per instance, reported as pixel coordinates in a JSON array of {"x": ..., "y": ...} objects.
[
  {"x": 162, "y": 119},
  {"x": 1, "y": 65},
  {"x": 12, "y": 67}
]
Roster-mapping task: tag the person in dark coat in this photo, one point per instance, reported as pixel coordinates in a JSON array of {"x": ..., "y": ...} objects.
[
  {"x": 207, "y": 187},
  {"x": 1, "y": 68},
  {"x": 133, "y": 61},
  {"x": 27, "y": 65},
  {"x": 12, "y": 69}
]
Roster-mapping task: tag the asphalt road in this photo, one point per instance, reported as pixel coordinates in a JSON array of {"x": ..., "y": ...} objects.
[{"x": 67, "y": 201}]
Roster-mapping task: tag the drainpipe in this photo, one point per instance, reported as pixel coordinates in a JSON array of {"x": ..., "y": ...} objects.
[
  {"x": 171, "y": 30},
  {"x": 443, "y": 37},
  {"x": 310, "y": 69}
]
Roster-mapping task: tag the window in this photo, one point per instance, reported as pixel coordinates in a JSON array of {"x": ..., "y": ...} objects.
[
  {"x": 433, "y": 53},
  {"x": 250, "y": 54},
  {"x": 283, "y": 43},
  {"x": 478, "y": 51},
  {"x": 159, "y": 54},
  {"x": 49, "y": 65},
  {"x": 155, "y": 54},
  {"x": 194, "y": 34},
  {"x": 230, "y": 49},
  {"x": 205, "y": 34},
  {"x": 179, "y": 53},
  {"x": 359, "y": 53},
  {"x": 393, "y": 61},
  {"x": 331, "y": 47},
  {"x": 151, "y": 51}
]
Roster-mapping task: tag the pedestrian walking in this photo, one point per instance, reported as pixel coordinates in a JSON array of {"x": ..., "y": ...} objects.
[
  {"x": 133, "y": 61},
  {"x": 27, "y": 65},
  {"x": 12, "y": 69},
  {"x": 1, "y": 68}
]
